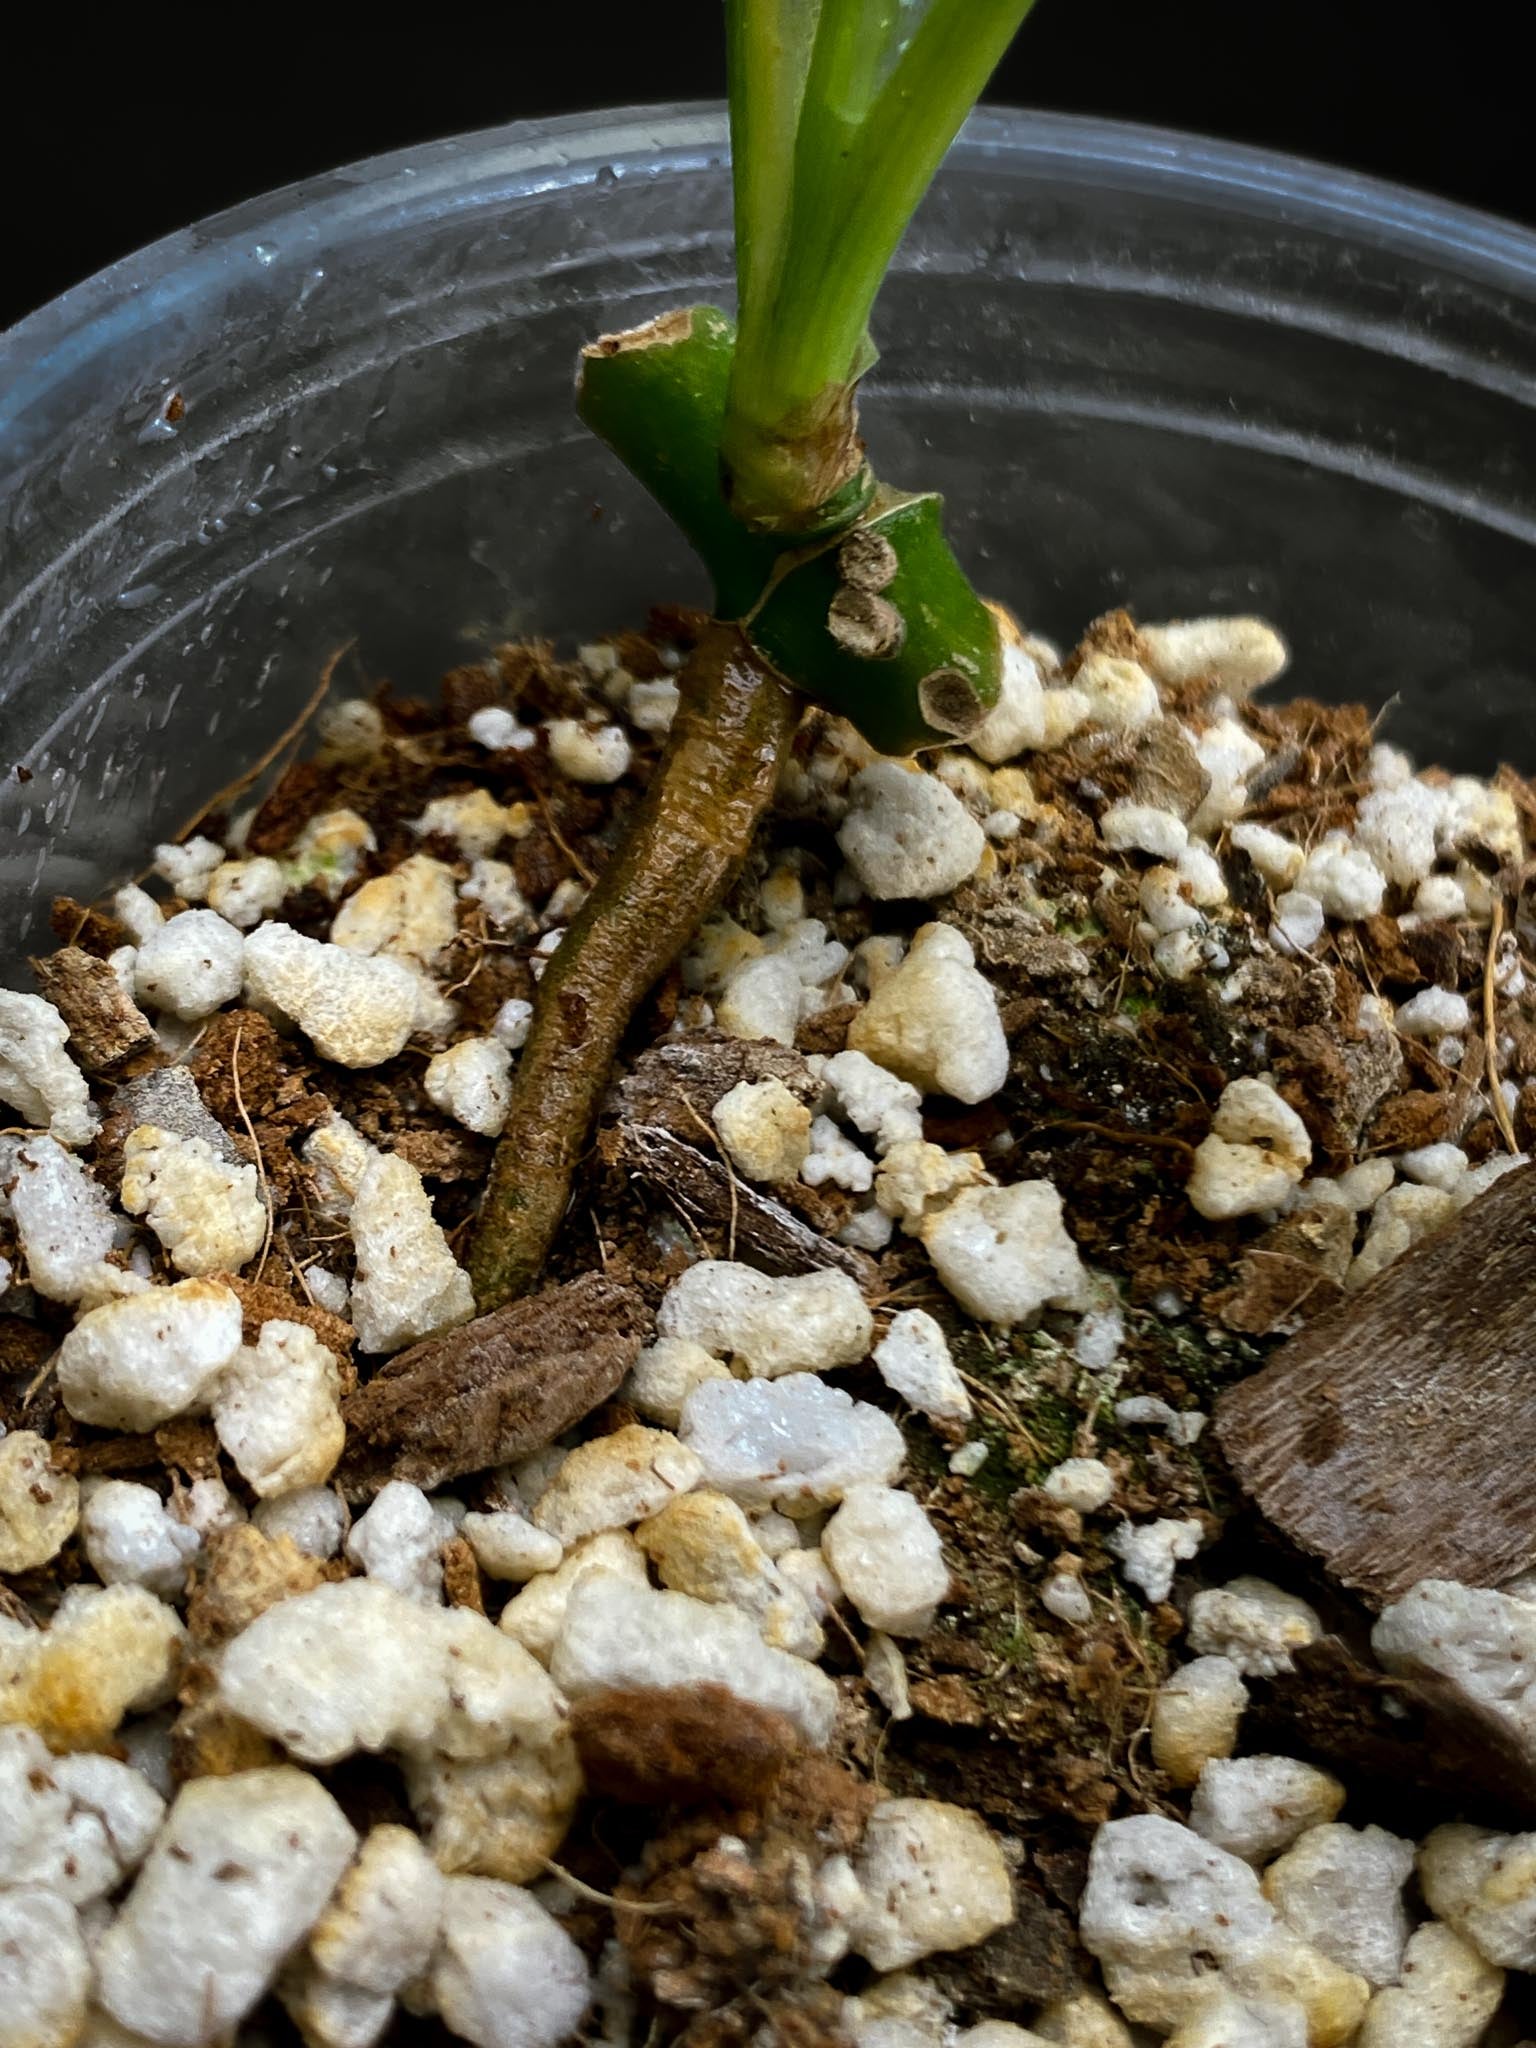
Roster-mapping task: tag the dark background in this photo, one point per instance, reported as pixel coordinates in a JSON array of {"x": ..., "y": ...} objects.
[{"x": 115, "y": 134}]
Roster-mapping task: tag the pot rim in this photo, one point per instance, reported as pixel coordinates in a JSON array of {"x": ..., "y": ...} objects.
[{"x": 524, "y": 158}]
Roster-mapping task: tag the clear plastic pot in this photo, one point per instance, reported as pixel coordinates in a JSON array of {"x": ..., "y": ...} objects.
[{"x": 1145, "y": 369}]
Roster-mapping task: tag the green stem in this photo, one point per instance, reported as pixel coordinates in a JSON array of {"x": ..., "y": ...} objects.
[
  {"x": 656, "y": 395},
  {"x": 692, "y": 830},
  {"x": 911, "y": 657},
  {"x": 875, "y": 119}
]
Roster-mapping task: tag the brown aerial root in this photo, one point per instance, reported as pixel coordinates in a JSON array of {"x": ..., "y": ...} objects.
[{"x": 692, "y": 830}]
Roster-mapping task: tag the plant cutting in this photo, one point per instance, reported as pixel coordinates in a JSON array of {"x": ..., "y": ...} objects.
[
  {"x": 948, "y": 1130},
  {"x": 829, "y": 585}
]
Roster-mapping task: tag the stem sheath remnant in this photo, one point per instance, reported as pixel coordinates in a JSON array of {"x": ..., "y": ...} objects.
[{"x": 692, "y": 830}]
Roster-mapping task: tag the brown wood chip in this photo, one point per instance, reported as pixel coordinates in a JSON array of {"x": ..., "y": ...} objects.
[
  {"x": 105, "y": 1027},
  {"x": 461, "y": 1576},
  {"x": 1394, "y": 1437},
  {"x": 493, "y": 1390},
  {"x": 766, "y": 1233}
]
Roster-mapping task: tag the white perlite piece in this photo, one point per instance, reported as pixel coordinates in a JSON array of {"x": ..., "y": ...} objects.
[
  {"x": 1435, "y": 1166},
  {"x": 506, "y": 1973},
  {"x": 134, "y": 1363},
  {"x": 131, "y": 1538},
  {"x": 472, "y": 1083},
  {"x": 1150, "y": 1411},
  {"x": 622, "y": 1635},
  {"x": 1257, "y": 1152},
  {"x": 933, "y": 1880},
  {"x": 37, "y": 1076},
  {"x": 885, "y": 1673},
  {"x": 1064, "y": 1595},
  {"x": 187, "y": 866},
  {"x": 874, "y": 1100},
  {"x": 1299, "y": 921},
  {"x": 408, "y": 1285},
  {"x": 38, "y": 1506},
  {"x": 1173, "y": 1920},
  {"x": 761, "y": 999},
  {"x": 652, "y": 706},
  {"x": 408, "y": 914},
  {"x": 329, "y": 850},
  {"x": 1086, "y": 1484},
  {"x": 1252, "y": 1623},
  {"x": 1195, "y": 1717},
  {"x": 45, "y": 1970},
  {"x": 1278, "y": 859},
  {"x": 108, "y": 1651},
  {"x": 235, "y": 1880},
  {"x": 665, "y": 1374},
  {"x": 1004, "y": 1253},
  {"x": 1446, "y": 1998},
  {"x": 703, "y": 1544},
  {"x": 357, "y": 1665},
  {"x": 72, "y": 1825},
  {"x": 917, "y": 1179},
  {"x": 834, "y": 1157},
  {"x": 243, "y": 892},
  {"x": 1341, "y": 1889},
  {"x": 357, "y": 1009},
  {"x": 63, "y": 1217},
  {"x": 1240, "y": 654},
  {"x": 933, "y": 1020},
  {"x": 312, "y": 1516},
  {"x": 508, "y": 1546},
  {"x": 137, "y": 911},
  {"x": 766, "y": 1130},
  {"x": 913, "y": 1359},
  {"x": 208, "y": 1214},
  {"x": 277, "y": 1410},
  {"x": 191, "y": 966},
  {"x": 888, "y": 1559},
  {"x": 493, "y": 885},
  {"x": 1432, "y": 1013},
  {"x": 1127, "y": 827},
  {"x": 1121, "y": 696},
  {"x": 794, "y": 1443},
  {"x": 1166, "y": 903},
  {"x": 588, "y": 753},
  {"x": 399, "y": 1542},
  {"x": 512, "y": 1023},
  {"x": 798, "y": 1323},
  {"x": 1484, "y": 1885},
  {"x": 1017, "y": 721},
  {"x": 1343, "y": 878},
  {"x": 1398, "y": 827},
  {"x": 471, "y": 818},
  {"x": 1399, "y": 1218},
  {"x": 615, "y": 1480},
  {"x": 1085, "y": 2019},
  {"x": 381, "y": 1926},
  {"x": 906, "y": 835},
  {"x": 1223, "y": 2021},
  {"x": 1480, "y": 1641},
  {"x": 1149, "y": 1551},
  {"x": 535, "y": 1616},
  {"x": 1256, "y": 1806}
]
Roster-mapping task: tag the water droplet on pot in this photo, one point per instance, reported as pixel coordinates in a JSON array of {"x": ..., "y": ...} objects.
[{"x": 265, "y": 253}]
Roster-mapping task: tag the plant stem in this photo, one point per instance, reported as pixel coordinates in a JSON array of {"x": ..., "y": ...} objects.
[
  {"x": 693, "y": 828},
  {"x": 875, "y": 117}
]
